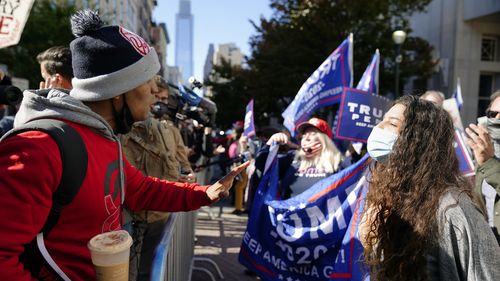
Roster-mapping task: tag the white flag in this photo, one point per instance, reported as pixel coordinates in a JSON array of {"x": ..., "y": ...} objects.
[{"x": 13, "y": 17}]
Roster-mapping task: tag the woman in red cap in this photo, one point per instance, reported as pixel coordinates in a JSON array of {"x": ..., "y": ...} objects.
[{"x": 316, "y": 157}]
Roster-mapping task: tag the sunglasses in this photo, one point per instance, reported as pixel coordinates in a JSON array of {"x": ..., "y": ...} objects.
[{"x": 492, "y": 114}]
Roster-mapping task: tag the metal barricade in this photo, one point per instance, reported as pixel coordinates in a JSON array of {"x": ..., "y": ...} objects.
[{"x": 174, "y": 254}]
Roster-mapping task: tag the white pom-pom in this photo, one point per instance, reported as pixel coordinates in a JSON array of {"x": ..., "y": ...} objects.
[{"x": 83, "y": 22}]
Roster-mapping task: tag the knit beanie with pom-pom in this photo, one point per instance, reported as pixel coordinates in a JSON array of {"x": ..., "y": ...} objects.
[{"x": 108, "y": 60}]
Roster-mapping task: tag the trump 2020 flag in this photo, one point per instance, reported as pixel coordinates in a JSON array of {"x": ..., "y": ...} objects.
[
  {"x": 323, "y": 87},
  {"x": 457, "y": 95},
  {"x": 359, "y": 112},
  {"x": 249, "y": 127},
  {"x": 369, "y": 80},
  {"x": 312, "y": 236}
]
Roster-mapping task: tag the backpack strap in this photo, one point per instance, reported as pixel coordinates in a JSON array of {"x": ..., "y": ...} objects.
[{"x": 74, "y": 160}]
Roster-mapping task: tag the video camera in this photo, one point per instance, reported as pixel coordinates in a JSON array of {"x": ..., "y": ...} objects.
[
  {"x": 10, "y": 95},
  {"x": 187, "y": 104}
]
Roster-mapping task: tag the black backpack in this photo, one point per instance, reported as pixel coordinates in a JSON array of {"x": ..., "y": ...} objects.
[{"x": 74, "y": 168}]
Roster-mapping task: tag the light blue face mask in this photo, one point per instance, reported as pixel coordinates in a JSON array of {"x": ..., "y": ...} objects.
[{"x": 380, "y": 143}]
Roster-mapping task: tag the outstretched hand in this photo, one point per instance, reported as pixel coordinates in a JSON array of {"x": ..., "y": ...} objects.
[{"x": 220, "y": 189}]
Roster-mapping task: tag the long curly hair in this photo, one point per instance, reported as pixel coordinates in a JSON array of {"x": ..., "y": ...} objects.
[{"x": 405, "y": 191}]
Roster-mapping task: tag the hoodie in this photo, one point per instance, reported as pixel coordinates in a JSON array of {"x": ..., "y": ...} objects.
[{"x": 30, "y": 167}]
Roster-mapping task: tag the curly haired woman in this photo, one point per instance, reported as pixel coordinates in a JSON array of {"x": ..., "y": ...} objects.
[{"x": 421, "y": 222}]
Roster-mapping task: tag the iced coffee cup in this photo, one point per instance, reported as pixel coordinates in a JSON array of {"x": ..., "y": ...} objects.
[{"x": 110, "y": 255}]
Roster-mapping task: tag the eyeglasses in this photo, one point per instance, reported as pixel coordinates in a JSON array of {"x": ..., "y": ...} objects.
[{"x": 492, "y": 114}]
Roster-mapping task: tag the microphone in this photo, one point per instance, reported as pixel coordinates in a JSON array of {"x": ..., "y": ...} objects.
[{"x": 195, "y": 83}]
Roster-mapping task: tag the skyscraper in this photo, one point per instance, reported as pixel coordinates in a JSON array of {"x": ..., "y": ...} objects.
[
  {"x": 184, "y": 39},
  {"x": 209, "y": 62}
]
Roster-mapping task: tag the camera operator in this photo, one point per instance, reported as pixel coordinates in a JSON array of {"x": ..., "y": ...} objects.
[
  {"x": 10, "y": 98},
  {"x": 202, "y": 152},
  {"x": 161, "y": 112},
  {"x": 198, "y": 117}
]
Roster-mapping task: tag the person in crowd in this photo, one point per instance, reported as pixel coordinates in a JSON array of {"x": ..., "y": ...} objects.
[
  {"x": 238, "y": 145},
  {"x": 354, "y": 152},
  {"x": 112, "y": 88},
  {"x": 7, "y": 111},
  {"x": 436, "y": 97},
  {"x": 218, "y": 163},
  {"x": 485, "y": 144},
  {"x": 55, "y": 68},
  {"x": 198, "y": 139},
  {"x": 163, "y": 95},
  {"x": 240, "y": 185},
  {"x": 155, "y": 147},
  {"x": 315, "y": 159},
  {"x": 234, "y": 147},
  {"x": 263, "y": 136},
  {"x": 420, "y": 222}
]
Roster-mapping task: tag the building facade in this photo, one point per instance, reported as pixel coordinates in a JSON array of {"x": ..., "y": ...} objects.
[
  {"x": 184, "y": 39},
  {"x": 136, "y": 16},
  {"x": 144, "y": 19},
  {"x": 230, "y": 53},
  {"x": 114, "y": 12},
  {"x": 173, "y": 74},
  {"x": 465, "y": 35},
  {"x": 160, "y": 40}
]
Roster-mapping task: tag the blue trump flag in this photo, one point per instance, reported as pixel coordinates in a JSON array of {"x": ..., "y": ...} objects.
[
  {"x": 369, "y": 80},
  {"x": 359, "y": 112},
  {"x": 323, "y": 87},
  {"x": 249, "y": 127},
  {"x": 313, "y": 236}
]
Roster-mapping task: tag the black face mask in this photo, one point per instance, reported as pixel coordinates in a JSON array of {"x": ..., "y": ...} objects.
[{"x": 123, "y": 119}]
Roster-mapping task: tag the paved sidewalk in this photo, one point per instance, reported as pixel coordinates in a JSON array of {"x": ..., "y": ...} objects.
[{"x": 219, "y": 239}]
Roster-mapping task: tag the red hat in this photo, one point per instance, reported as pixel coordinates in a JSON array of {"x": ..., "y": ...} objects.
[{"x": 317, "y": 123}]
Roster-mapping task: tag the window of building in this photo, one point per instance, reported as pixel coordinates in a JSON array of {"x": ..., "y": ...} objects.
[
  {"x": 485, "y": 90},
  {"x": 419, "y": 84},
  {"x": 488, "y": 49}
]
